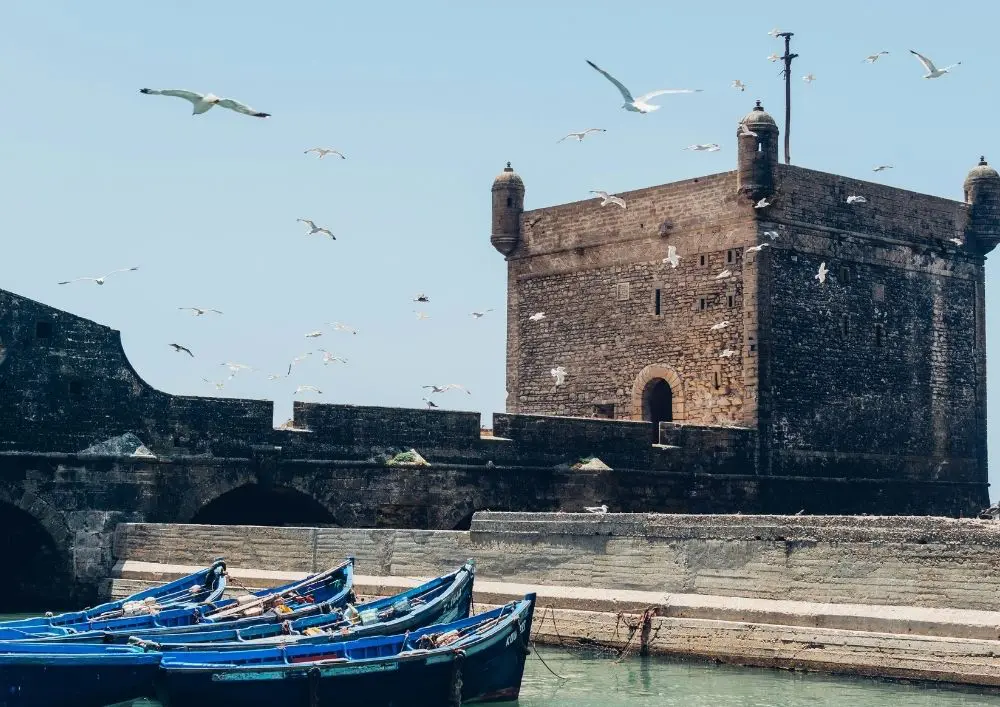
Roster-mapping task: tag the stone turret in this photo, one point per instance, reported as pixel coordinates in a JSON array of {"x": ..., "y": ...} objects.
[
  {"x": 757, "y": 155},
  {"x": 982, "y": 194},
  {"x": 508, "y": 204}
]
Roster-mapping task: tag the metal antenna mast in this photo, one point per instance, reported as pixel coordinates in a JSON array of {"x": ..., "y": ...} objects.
[{"x": 787, "y": 71}]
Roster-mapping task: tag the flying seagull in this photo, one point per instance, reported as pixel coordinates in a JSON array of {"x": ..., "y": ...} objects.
[
  {"x": 582, "y": 134},
  {"x": 763, "y": 203},
  {"x": 337, "y": 326},
  {"x": 720, "y": 326},
  {"x": 559, "y": 373},
  {"x": 219, "y": 385},
  {"x": 774, "y": 32},
  {"x": 957, "y": 241},
  {"x": 855, "y": 199},
  {"x": 672, "y": 256},
  {"x": 737, "y": 84},
  {"x": 313, "y": 228},
  {"x": 178, "y": 348},
  {"x": 600, "y": 510},
  {"x": 639, "y": 105},
  {"x": 308, "y": 388},
  {"x": 314, "y": 334},
  {"x": 771, "y": 234},
  {"x": 421, "y": 315},
  {"x": 421, "y": 297},
  {"x": 773, "y": 57},
  {"x": 709, "y": 147},
  {"x": 323, "y": 152},
  {"x": 932, "y": 71},
  {"x": 480, "y": 315},
  {"x": 744, "y": 130},
  {"x": 724, "y": 274},
  {"x": 99, "y": 280},
  {"x": 821, "y": 273},
  {"x": 872, "y": 58},
  {"x": 446, "y": 387},
  {"x": 204, "y": 102},
  {"x": 537, "y": 316},
  {"x": 328, "y": 357},
  {"x": 809, "y": 78},
  {"x": 198, "y": 311},
  {"x": 609, "y": 199},
  {"x": 757, "y": 248},
  {"x": 881, "y": 167}
]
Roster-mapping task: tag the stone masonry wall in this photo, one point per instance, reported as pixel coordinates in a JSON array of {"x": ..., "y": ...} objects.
[{"x": 932, "y": 562}]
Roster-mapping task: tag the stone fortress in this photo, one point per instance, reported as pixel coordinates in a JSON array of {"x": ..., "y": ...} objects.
[{"x": 861, "y": 395}]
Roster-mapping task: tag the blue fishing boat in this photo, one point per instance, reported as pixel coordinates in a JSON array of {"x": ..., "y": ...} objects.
[
  {"x": 478, "y": 659},
  {"x": 318, "y": 593},
  {"x": 68, "y": 675},
  {"x": 204, "y": 586},
  {"x": 441, "y": 600}
]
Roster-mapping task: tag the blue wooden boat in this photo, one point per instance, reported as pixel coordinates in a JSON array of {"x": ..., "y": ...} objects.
[
  {"x": 441, "y": 600},
  {"x": 318, "y": 593},
  {"x": 479, "y": 659},
  {"x": 201, "y": 587},
  {"x": 69, "y": 675}
]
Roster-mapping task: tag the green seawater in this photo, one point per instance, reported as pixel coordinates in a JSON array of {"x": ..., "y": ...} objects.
[{"x": 598, "y": 680}]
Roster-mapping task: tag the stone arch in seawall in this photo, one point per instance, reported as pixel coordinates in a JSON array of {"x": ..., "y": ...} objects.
[
  {"x": 251, "y": 503},
  {"x": 36, "y": 546},
  {"x": 647, "y": 378}
]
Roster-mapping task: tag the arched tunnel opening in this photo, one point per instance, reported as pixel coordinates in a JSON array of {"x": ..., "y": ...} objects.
[
  {"x": 37, "y": 575},
  {"x": 255, "y": 504}
]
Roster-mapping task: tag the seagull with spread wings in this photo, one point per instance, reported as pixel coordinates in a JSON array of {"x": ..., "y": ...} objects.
[
  {"x": 99, "y": 280},
  {"x": 313, "y": 228},
  {"x": 872, "y": 58},
  {"x": 198, "y": 311},
  {"x": 337, "y": 326},
  {"x": 932, "y": 71},
  {"x": 609, "y": 199},
  {"x": 707, "y": 147},
  {"x": 446, "y": 387},
  {"x": 480, "y": 315},
  {"x": 582, "y": 134},
  {"x": 672, "y": 256},
  {"x": 640, "y": 104},
  {"x": 308, "y": 388},
  {"x": 178, "y": 348},
  {"x": 324, "y": 151},
  {"x": 203, "y": 102}
]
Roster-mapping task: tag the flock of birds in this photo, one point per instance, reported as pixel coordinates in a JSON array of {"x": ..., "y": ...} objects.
[{"x": 641, "y": 104}]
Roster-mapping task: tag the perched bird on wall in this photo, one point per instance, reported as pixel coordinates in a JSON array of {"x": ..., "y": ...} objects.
[
  {"x": 720, "y": 326},
  {"x": 726, "y": 353},
  {"x": 763, "y": 203},
  {"x": 582, "y": 134},
  {"x": 707, "y": 147},
  {"x": 430, "y": 403},
  {"x": 308, "y": 389},
  {"x": 855, "y": 199},
  {"x": 609, "y": 199},
  {"x": 601, "y": 509},
  {"x": 872, "y": 58},
  {"x": 672, "y": 256},
  {"x": 178, "y": 348},
  {"x": 821, "y": 273},
  {"x": 744, "y": 130},
  {"x": 881, "y": 167},
  {"x": 323, "y": 152},
  {"x": 738, "y": 85},
  {"x": 809, "y": 78},
  {"x": 446, "y": 387},
  {"x": 757, "y": 248},
  {"x": 537, "y": 316},
  {"x": 724, "y": 274},
  {"x": 203, "y": 102},
  {"x": 99, "y": 280},
  {"x": 314, "y": 334},
  {"x": 640, "y": 104},
  {"x": 480, "y": 315},
  {"x": 421, "y": 298},
  {"x": 337, "y": 326},
  {"x": 198, "y": 311},
  {"x": 932, "y": 71},
  {"x": 313, "y": 228},
  {"x": 559, "y": 373}
]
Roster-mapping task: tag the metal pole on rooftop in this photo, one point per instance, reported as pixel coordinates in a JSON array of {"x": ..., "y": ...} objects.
[{"x": 787, "y": 71}]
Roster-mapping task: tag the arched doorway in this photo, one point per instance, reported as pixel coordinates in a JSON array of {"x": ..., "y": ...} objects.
[
  {"x": 255, "y": 504},
  {"x": 37, "y": 576},
  {"x": 657, "y": 404}
]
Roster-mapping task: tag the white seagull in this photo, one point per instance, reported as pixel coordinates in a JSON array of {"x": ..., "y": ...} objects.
[
  {"x": 99, "y": 280},
  {"x": 480, "y": 315},
  {"x": 855, "y": 199},
  {"x": 609, "y": 199},
  {"x": 337, "y": 326},
  {"x": 737, "y": 84},
  {"x": 774, "y": 32},
  {"x": 219, "y": 385},
  {"x": 314, "y": 334},
  {"x": 324, "y": 151},
  {"x": 672, "y": 256},
  {"x": 881, "y": 167},
  {"x": 639, "y": 105},
  {"x": 430, "y": 403},
  {"x": 308, "y": 388},
  {"x": 559, "y": 373},
  {"x": 932, "y": 71},
  {"x": 600, "y": 510},
  {"x": 757, "y": 248},
  {"x": 763, "y": 203},
  {"x": 744, "y": 130},
  {"x": 821, "y": 273},
  {"x": 421, "y": 315},
  {"x": 720, "y": 326},
  {"x": 328, "y": 357},
  {"x": 872, "y": 58},
  {"x": 709, "y": 147},
  {"x": 957, "y": 241},
  {"x": 446, "y": 387},
  {"x": 313, "y": 228},
  {"x": 771, "y": 234},
  {"x": 809, "y": 78},
  {"x": 178, "y": 348},
  {"x": 198, "y": 311},
  {"x": 773, "y": 57},
  {"x": 582, "y": 134},
  {"x": 537, "y": 316},
  {"x": 235, "y": 368},
  {"x": 204, "y": 102},
  {"x": 724, "y": 274},
  {"x": 726, "y": 353}
]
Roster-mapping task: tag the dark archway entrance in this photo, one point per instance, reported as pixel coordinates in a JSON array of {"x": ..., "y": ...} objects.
[
  {"x": 37, "y": 576},
  {"x": 657, "y": 404},
  {"x": 255, "y": 504}
]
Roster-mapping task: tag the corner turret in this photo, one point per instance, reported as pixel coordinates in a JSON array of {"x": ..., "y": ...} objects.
[
  {"x": 982, "y": 194},
  {"x": 757, "y": 155},
  {"x": 508, "y": 204}
]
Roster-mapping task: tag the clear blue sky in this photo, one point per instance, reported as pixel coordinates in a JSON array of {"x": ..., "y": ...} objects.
[{"x": 428, "y": 100}]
